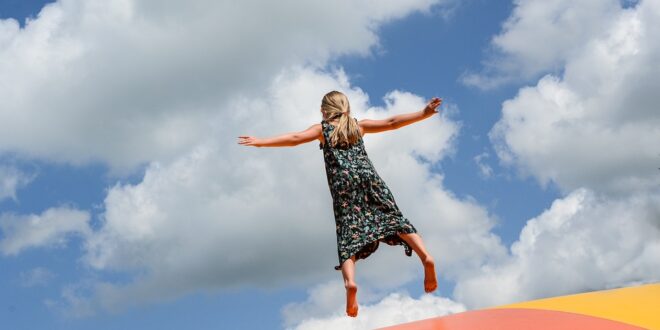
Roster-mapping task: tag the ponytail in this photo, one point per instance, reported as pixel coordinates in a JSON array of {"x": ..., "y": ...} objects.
[{"x": 335, "y": 105}]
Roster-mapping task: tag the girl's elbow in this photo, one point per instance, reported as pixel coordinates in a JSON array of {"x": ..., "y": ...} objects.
[
  {"x": 296, "y": 140},
  {"x": 392, "y": 124}
]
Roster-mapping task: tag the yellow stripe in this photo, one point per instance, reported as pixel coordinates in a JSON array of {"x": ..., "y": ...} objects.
[{"x": 639, "y": 305}]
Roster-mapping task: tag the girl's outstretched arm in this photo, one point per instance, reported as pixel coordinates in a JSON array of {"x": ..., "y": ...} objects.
[
  {"x": 398, "y": 121},
  {"x": 284, "y": 140}
]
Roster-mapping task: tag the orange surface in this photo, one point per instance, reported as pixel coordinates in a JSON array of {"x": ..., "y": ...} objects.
[
  {"x": 638, "y": 305},
  {"x": 513, "y": 319}
]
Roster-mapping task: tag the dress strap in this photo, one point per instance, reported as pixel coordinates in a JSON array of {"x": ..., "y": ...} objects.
[
  {"x": 324, "y": 127},
  {"x": 357, "y": 122}
]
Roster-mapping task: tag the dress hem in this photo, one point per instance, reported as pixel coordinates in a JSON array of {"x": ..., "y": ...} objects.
[{"x": 381, "y": 238}]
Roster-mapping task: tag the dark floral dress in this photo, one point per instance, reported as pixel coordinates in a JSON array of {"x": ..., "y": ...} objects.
[{"x": 364, "y": 208}]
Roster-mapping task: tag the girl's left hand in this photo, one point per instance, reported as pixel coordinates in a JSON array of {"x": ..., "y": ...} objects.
[
  {"x": 432, "y": 105},
  {"x": 248, "y": 141}
]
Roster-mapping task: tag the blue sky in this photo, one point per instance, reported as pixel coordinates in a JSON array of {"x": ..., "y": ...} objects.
[{"x": 125, "y": 199}]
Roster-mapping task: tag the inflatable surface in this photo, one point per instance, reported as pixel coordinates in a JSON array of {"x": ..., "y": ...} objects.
[{"x": 624, "y": 308}]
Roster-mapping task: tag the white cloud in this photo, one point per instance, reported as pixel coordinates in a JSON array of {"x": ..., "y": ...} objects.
[
  {"x": 126, "y": 82},
  {"x": 584, "y": 242},
  {"x": 396, "y": 308},
  {"x": 50, "y": 228},
  {"x": 12, "y": 179},
  {"x": 596, "y": 126},
  {"x": 541, "y": 36}
]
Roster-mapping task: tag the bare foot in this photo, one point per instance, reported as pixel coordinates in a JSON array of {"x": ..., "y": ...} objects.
[
  {"x": 430, "y": 282},
  {"x": 351, "y": 301}
]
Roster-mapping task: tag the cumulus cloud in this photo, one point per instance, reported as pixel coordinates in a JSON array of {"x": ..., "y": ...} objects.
[
  {"x": 127, "y": 82},
  {"x": 597, "y": 125},
  {"x": 591, "y": 131},
  {"x": 225, "y": 215},
  {"x": 583, "y": 242},
  {"x": 50, "y": 228},
  {"x": 542, "y": 35},
  {"x": 12, "y": 179},
  {"x": 396, "y": 308}
]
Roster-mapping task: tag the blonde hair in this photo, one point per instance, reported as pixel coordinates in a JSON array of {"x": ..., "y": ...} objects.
[{"x": 335, "y": 105}]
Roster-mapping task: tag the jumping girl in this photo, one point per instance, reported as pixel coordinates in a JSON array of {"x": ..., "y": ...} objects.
[{"x": 364, "y": 208}]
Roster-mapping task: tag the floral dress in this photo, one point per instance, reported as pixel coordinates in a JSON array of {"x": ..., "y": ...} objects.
[{"x": 364, "y": 207}]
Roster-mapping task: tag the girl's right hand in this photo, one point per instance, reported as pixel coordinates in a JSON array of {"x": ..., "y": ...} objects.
[
  {"x": 432, "y": 105},
  {"x": 248, "y": 141}
]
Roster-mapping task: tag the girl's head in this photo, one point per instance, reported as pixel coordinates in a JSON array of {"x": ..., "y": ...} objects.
[{"x": 335, "y": 106}]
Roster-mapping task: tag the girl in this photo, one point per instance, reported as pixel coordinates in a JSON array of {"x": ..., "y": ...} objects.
[{"x": 364, "y": 208}]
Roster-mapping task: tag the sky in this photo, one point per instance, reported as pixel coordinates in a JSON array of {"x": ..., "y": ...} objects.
[{"x": 126, "y": 202}]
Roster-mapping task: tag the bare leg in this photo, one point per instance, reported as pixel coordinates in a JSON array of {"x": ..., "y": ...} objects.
[
  {"x": 415, "y": 242},
  {"x": 348, "y": 271}
]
